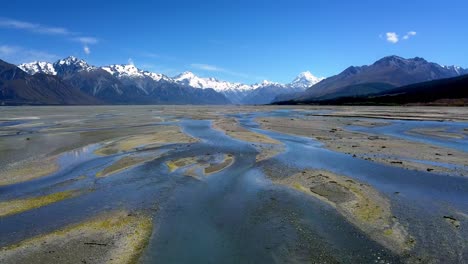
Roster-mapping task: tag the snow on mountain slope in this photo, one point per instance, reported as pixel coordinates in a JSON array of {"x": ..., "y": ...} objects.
[
  {"x": 38, "y": 66},
  {"x": 130, "y": 71},
  {"x": 190, "y": 79},
  {"x": 63, "y": 66},
  {"x": 305, "y": 80},
  {"x": 456, "y": 69},
  {"x": 72, "y": 63},
  {"x": 302, "y": 81}
]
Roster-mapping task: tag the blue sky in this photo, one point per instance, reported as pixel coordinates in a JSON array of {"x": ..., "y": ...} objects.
[{"x": 242, "y": 40}]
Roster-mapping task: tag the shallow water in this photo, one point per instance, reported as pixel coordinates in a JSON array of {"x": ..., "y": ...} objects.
[
  {"x": 223, "y": 218},
  {"x": 401, "y": 129},
  {"x": 237, "y": 215}
]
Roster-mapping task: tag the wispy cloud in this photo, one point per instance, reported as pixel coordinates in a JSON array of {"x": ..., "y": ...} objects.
[
  {"x": 409, "y": 35},
  {"x": 86, "y": 40},
  {"x": 49, "y": 30},
  {"x": 213, "y": 68},
  {"x": 207, "y": 67},
  {"x": 16, "y": 54},
  {"x": 153, "y": 55},
  {"x": 37, "y": 28},
  {"x": 392, "y": 37}
]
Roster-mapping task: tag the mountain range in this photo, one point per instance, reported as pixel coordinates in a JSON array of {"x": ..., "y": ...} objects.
[
  {"x": 18, "y": 87},
  {"x": 74, "y": 81},
  {"x": 383, "y": 75},
  {"x": 450, "y": 92},
  {"x": 126, "y": 84}
]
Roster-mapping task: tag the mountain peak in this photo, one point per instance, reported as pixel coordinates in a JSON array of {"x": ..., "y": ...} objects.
[
  {"x": 305, "y": 80},
  {"x": 185, "y": 75},
  {"x": 305, "y": 74},
  {"x": 394, "y": 59},
  {"x": 70, "y": 60},
  {"x": 71, "y": 64}
]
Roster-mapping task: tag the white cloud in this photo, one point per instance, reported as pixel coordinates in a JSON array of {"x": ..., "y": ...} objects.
[
  {"x": 392, "y": 37},
  {"x": 86, "y": 49},
  {"x": 213, "y": 68},
  {"x": 409, "y": 35},
  {"x": 86, "y": 41},
  {"x": 130, "y": 61},
  {"x": 16, "y": 54}
]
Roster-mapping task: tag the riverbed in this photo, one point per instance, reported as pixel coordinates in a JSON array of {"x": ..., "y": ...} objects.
[{"x": 249, "y": 210}]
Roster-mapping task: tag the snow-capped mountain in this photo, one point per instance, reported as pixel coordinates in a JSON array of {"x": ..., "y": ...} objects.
[
  {"x": 266, "y": 91},
  {"x": 38, "y": 67},
  {"x": 266, "y": 83},
  {"x": 236, "y": 92},
  {"x": 305, "y": 80}
]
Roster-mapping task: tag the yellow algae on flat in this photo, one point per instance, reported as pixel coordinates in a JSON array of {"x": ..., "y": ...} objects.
[
  {"x": 118, "y": 237},
  {"x": 228, "y": 160},
  {"x": 175, "y": 164},
  {"x": 194, "y": 163},
  {"x": 21, "y": 205},
  {"x": 123, "y": 164},
  {"x": 359, "y": 203},
  {"x": 299, "y": 187}
]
